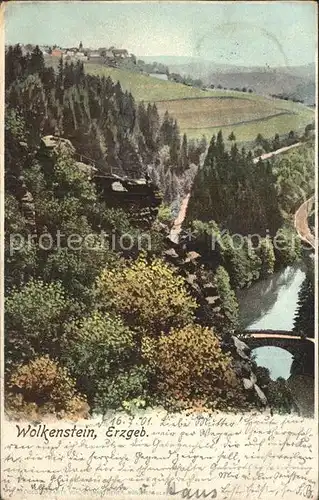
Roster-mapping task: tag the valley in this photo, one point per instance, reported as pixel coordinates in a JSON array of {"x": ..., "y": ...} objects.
[{"x": 69, "y": 123}]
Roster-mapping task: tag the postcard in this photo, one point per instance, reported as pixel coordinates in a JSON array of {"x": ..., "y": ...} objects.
[{"x": 159, "y": 257}]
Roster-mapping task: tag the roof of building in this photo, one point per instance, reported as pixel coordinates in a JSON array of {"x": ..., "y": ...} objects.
[{"x": 120, "y": 51}]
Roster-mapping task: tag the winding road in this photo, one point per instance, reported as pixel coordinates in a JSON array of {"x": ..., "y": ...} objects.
[
  {"x": 301, "y": 222},
  {"x": 266, "y": 156},
  {"x": 177, "y": 226}
]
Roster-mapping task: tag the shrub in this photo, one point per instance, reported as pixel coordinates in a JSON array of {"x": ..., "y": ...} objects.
[
  {"x": 77, "y": 270},
  {"x": 267, "y": 255},
  {"x": 102, "y": 355},
  {"x": 35, "y": 318},
  {"x": 20, "y": 264},
  {"x": 165, "y": 215},
  {"x": 190, "y": 367},
  {"x": 287, "y": 246},
  {"x": 126, "y": 389},
  {"x": 149, "y": 296},
  {"x": 280, "y": 396},
  {"x": 46, "y": 387}
]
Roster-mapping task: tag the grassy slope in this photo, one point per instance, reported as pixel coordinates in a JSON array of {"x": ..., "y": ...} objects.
[
  {"x": 219, "y": 111},
  {"x": 196, "y": 119}
]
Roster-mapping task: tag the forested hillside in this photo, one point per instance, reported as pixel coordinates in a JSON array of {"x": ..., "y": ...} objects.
[
  {"x": 96, "y": 316},
  {"x": 101, "y": 311},
  {"x": 103, "y": 122},
  {"x": 248, "y": 197},
  {"x": 239, "y": 208}
]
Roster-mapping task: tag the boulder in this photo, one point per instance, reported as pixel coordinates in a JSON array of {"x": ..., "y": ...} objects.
[{"x": 54, "y": 142}]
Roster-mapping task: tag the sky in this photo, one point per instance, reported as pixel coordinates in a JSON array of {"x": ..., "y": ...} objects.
[{"x": 240, "y": 33}]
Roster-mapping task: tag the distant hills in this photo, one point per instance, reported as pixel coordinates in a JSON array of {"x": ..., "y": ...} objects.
[{"x": 296, "y": 82}]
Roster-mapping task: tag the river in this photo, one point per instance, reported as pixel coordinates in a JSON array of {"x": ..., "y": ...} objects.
[{"x": 271, "y": 305}]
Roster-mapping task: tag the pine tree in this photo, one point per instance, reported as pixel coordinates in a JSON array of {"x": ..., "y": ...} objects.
[
  {"x": 184, "y": 154},
  {"x": 229, "y": 304},
  {"x": 60, "y": 81},
  {"x": 36, "y": 61},
  {"x": 234, "y": 154},
  {"x": 142, "y": 119},
  {"x": 15, "y": 65},
  {"x": 203, "y": 144},
  {"x": 175, "y": 145},
  {"x": 304, "y": 322},
  {"x": 154, "y": 124},
  {"x": 220, "y": 146},
  {"x": 166, "y": 130},
  {"x": 267, "y": 256},
  {"x": 259, "y": 140},
  {"x": 69, "y": 75},
  {"x": 48, "y": 79},
  {"x": 211, "y": 153},
  {"x": 276, "y": 142},
  {"x": 34, "y": 106}
]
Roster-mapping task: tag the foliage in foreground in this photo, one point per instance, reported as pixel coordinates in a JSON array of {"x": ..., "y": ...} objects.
[
  {"x": 150, "y": 296},
  {"x": 279, "y": 395},
  {"x": 35, "y": 318},
  {"x": 190, "y": 367},
  {"x": 101, "y": 354},
  {"x": 43, "y": 386}
]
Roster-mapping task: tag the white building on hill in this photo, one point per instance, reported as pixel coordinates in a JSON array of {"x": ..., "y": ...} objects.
[{"x": 160, "y": 76}]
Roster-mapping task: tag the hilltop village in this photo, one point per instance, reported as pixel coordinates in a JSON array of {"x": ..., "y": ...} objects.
[
  {"x": 80, "y": 53},
  {"x": 109, "y": 56}
]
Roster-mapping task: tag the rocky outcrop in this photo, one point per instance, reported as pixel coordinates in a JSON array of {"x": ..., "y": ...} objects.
[
  {"x": 140, "y": 198},
  {"x": 55, "y": 143}
]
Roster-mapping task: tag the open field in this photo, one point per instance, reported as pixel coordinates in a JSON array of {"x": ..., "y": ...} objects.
[
  {"x": 268, "y": 127},
  {"x": 204, "y": 112},
  {"x": 213, "y": 112}
]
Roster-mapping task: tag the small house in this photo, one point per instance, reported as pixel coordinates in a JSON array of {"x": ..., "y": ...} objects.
[
  {"x": 25, "y": 52},
  {"x": 45, "y": 49},
  {"x": 57, "y": 53},
  {"x": 108, "y": 54},
  {"x": 120, "y": 53},
  {"x": 160, "y": 76},
  {"x": 80, "y": 56}
]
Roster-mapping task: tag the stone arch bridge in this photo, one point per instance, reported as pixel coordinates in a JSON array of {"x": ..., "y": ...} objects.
[{"x": 302, "y": 348}]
